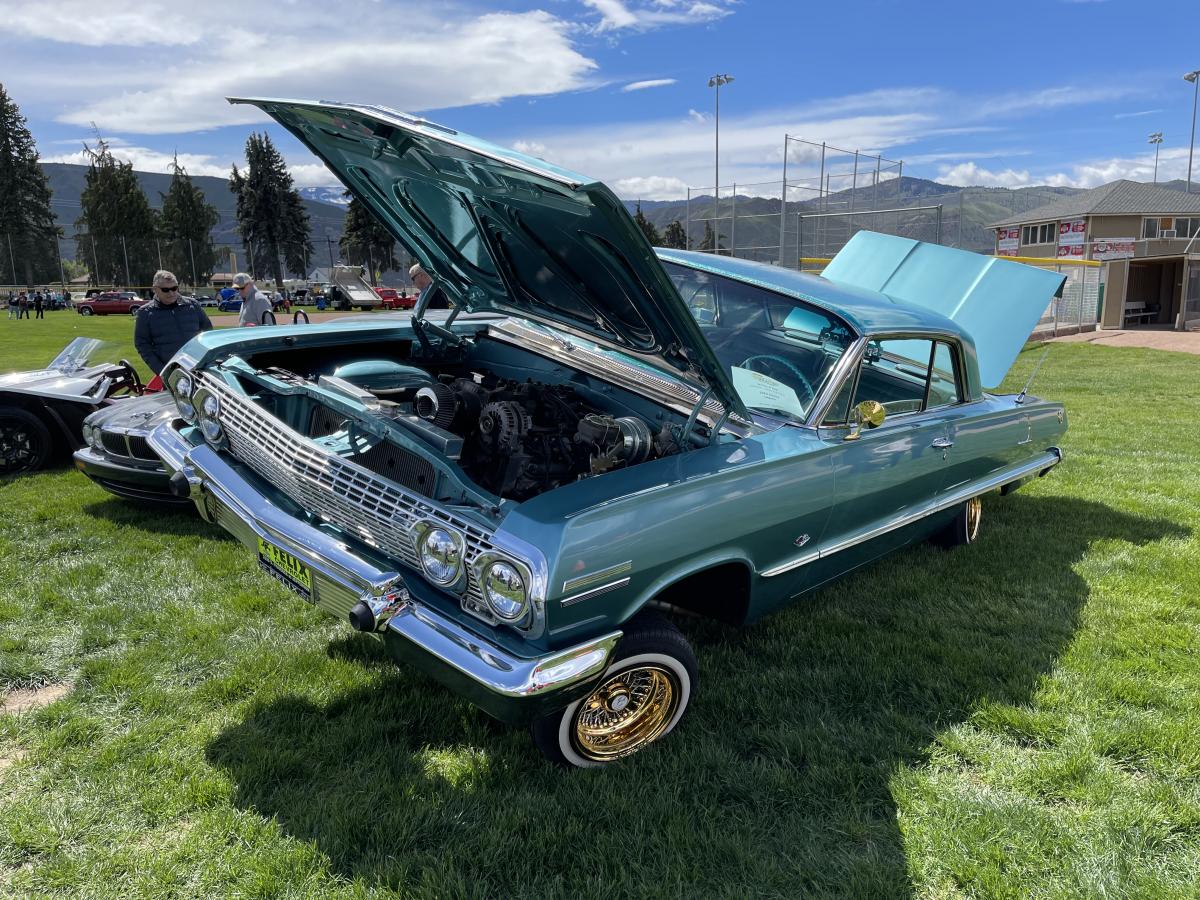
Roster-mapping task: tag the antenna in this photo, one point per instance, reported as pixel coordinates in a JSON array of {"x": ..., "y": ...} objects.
[{"x": 1025, "y": 390}]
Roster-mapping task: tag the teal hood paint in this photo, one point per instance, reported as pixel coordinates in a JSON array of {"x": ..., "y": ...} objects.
[
  {"x": 503, "y": 231},
  {"x": 995, "y": 301}
]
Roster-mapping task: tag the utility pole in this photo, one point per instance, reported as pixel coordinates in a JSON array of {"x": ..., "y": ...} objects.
[{"x": 1156, "y": 139}]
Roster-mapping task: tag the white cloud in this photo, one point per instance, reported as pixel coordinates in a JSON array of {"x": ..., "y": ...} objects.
[
  {"x": 531, "y": 148},
  {"x": 650, "y": 187},
  {"x": 697, "y": 117},
  {"x": 617, "y": 15},
  {"x": 145, "y": 90},
  {"x": 643, "y": 85},
  {"x": 968, "y": 174},
  {"x": 1134, "y": 115}
]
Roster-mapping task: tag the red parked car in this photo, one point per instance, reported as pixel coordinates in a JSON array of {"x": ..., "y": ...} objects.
[
  {"x": 107, "y": 302},
  {"x": 395, "y": 300}
]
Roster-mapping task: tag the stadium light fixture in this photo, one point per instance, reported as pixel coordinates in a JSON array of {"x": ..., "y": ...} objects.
[
  {"x": 1194, "y": 78},
  {"x": 1156, "y": 139},
  {"x": 715, "y": 82}
]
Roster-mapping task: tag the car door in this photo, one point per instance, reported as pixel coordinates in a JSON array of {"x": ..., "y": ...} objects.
[{"x": 889, "y": 476}]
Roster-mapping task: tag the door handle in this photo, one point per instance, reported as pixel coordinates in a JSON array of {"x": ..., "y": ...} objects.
[{"x": 942, "y": 444}]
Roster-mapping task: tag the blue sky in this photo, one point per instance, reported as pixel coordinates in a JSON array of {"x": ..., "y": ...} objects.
[{"x": 1000, "y": 93}]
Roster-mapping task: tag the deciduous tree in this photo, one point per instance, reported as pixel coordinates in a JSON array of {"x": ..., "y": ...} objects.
[{"x": 674, "y": 236}]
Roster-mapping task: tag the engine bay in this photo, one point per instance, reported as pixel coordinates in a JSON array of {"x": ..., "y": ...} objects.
[{"x": 512, "y": 425}]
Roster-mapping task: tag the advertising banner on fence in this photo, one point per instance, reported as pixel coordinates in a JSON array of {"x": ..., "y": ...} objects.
[
  {"x": 1113, "y": 248},
  {"x": 1007, "y": 241},
  {"x": 1075, "y": 252},
  {"x": 1070, "y": 233}
]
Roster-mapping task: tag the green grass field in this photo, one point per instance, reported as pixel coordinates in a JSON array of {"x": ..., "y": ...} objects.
[{"x": 1019, "y": 718}]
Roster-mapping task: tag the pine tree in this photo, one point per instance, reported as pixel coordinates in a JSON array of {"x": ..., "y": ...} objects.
[
  {"x": 30, "y": 249},
  {"x": 675, "y": 237},
  {"x": 366, "y": 242},
  {"x": 117, "y": 228},
  {"x": 647, "y": 227},
  {"x": 187, "y": 222},
  {"x": 271, "y": 216}
]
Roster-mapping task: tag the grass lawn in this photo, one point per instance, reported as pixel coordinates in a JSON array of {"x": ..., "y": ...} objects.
[{"x": 1019, "y": 718}]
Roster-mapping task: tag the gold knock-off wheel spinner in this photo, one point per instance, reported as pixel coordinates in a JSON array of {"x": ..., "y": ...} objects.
[
  {"x": 974, "y": 516},
  {"x": 641, "y": 696}
]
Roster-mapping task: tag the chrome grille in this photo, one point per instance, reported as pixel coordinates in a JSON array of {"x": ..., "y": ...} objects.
[{"x": 353, "y": 499}]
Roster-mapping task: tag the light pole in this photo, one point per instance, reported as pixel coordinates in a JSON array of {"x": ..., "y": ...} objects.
[
  {"x": 1155, "y": 139},
  {"x": 1194, "y": 78},
  {"x": 715, "y": 82}
]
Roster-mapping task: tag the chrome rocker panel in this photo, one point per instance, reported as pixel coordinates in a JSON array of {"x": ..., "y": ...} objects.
[{"x": 509, "y": 687}]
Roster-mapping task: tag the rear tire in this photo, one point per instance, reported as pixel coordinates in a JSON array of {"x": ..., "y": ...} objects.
[
  {"x": 641, "y": 697},
  {"x": 85, "y": 311},
  {"x": 964, "y": 527},
  {"x": 25, "y": 442}
]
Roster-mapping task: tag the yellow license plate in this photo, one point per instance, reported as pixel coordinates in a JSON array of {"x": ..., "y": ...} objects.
[{"x": 286, "y": 568}]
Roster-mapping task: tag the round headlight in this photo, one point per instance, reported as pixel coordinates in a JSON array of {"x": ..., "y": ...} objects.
[
  {"x": 210, "y": 411},
  {"x": 504, "y": 589},
  {"x": 441, "y": 555},
  {"x": 182, "y": 389},
  {"x": 89, "y": 435}
]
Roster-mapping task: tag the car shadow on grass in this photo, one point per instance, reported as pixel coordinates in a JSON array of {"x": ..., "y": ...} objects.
[
  {"x": 156, "y": 518},
  {"x": 776, "y": 784}
]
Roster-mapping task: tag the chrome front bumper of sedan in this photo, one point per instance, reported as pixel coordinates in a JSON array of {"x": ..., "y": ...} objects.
[{"x": 510, "y": 687}]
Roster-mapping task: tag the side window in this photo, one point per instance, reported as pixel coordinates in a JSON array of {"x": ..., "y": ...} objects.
[
  {"x": 895, "y": 371},
  {"x": 943, "y": 386}
]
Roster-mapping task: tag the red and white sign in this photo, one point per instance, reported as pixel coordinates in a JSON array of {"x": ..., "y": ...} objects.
[
  {"x": 1007, "y": 241},
  {"x": 1070, "y": 232},
  {"x": 1071, "y": 252},
  {"x": 1113, "y": 248}
]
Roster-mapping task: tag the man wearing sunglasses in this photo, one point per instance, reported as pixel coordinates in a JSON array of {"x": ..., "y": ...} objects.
[{"x": 167, "y": 322}]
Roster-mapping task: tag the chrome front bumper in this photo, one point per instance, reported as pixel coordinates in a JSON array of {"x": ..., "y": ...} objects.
[{"x": 510, "y": 687}]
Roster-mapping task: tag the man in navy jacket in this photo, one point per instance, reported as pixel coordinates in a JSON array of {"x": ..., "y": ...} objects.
[{"x": 167, "y": 322}]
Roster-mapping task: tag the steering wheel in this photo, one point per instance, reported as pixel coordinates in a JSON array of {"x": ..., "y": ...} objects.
[
  {"x": 128, "y": 378},
  {"x": 793, "y": 371}
]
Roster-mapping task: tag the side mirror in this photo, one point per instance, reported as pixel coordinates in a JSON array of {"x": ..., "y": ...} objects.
[{"x": 868, "y": 414}]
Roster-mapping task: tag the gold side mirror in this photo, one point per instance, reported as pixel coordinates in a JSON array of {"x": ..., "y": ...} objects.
[{"x": 869, "y": 414}]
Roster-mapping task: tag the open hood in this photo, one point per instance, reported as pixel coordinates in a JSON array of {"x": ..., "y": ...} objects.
[
  {"x": 503, "y": 231},
  {"x": 995, "y": 301}
]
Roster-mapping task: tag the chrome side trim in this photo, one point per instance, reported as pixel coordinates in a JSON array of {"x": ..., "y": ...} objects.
[
  {"x": 802, "y": 560},
  {"x": 582, "y": 581},
  {"x": 222, "y": 495},
  {"x": 1042, "y": 464},
  {"x": 594, "y": 592}
]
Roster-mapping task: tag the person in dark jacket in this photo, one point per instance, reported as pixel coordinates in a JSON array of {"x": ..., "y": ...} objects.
[{"x": 167, "y": 322}]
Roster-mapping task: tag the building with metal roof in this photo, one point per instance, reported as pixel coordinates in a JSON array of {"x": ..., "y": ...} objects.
[{"x": 1146, "y": 234}]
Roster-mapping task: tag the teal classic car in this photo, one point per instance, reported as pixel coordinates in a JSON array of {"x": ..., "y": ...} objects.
[{"x": 515, "y": 493}]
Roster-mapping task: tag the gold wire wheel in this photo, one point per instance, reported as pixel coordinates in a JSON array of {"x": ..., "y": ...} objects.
[
  {"x": 626, "y": 712},
  {"x": 974, "y": 514}
]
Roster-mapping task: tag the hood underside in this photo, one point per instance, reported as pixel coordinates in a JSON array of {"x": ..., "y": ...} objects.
[{"x": 503, "y": 231}]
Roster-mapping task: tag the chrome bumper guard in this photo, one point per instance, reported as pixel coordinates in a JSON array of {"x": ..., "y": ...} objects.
[{"x": 510, "y": 687}]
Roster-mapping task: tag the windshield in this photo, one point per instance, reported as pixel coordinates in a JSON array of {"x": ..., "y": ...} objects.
[
  {"x": 82, "y": 352},
  {"x": 778, "y": 351}
]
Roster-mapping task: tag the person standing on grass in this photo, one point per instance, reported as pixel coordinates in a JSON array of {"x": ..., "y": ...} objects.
[
  {"x": 23, "y": 306},
  {"x": 39, "y": 304},
  {"x": 13, "y": 309},
  {"x": 167, "y": 322},
  {"x": 254, "y": 301}
]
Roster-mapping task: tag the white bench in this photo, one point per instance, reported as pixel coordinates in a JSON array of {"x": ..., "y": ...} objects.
[{"x": 1137, "y": 311}]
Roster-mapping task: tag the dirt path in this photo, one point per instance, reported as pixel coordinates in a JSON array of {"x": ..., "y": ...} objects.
[{"x": 1151, "y": 339}]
